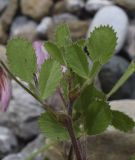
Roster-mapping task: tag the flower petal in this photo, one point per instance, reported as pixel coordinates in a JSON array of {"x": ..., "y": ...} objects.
[{"x": 41, "y": 53}]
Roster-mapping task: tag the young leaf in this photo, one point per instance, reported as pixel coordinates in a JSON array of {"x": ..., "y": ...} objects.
[
  {"x": 52, "y": 128},
  {"x": 130, "y": 70},
  {"x": 101, "y": 44},
  {"x": 49, "y": 78},
  {"x": 62, "y": 35},
  {"x": 121, "y": 121},
  {"x": 98, "y": 117},
  {"x": 21, "y": 58},
  {"x": 77, "y": 60},
  {"x": 54, "y": 51}
]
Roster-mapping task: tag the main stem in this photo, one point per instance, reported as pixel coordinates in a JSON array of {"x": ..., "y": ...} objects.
[{"x": 75, "y": 142}]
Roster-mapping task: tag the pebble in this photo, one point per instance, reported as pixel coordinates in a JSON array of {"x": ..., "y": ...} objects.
[
  {"x": 23, "y": 27},
  {"x": 115, "y": 17},
  {"x": 36, "y": 9}
]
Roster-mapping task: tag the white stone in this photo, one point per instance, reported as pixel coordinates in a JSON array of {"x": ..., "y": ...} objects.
[
  {"x": 115, "y": 17},
  {"x": 44, "y": 25}
]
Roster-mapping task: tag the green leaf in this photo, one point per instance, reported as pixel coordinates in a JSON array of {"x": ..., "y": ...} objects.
[
  {"x": 101, "y": 44},
  {"x": 52, "y": 128},
  {"x": 121, "y": 121},
  {"x": 54, "y": 51},
  {"x": 89, "y": 95},
  {"x": 77, "y": 60},
  {"x": 22, "y": 59},
  {"x": 130, "y": 70},
  {"x": 62, "y": 35},
  {"x": 49, "y": 78},
  {"x": 98, "y": 117}
]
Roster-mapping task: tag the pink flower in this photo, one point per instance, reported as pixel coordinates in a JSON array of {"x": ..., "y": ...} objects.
[
  {"x": 5, "y": 90},
  {"x": 41, "y": 53}
]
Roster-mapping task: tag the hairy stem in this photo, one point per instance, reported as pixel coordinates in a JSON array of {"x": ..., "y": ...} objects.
[{"x": 75, "y": 142}]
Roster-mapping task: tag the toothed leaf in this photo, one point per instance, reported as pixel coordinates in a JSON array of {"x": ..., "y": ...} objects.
[
  {"x": 122, "y": 121},
  {"x": 77, "y": 60},
  {"x": 51, "y": 128},
  {"x": 22, "y": 59},
  {"x": 101, "y": 44},
  {"x": 54, "y": 51},
  {"x": 62, "y": 35},
  {"x": 98, "y": 117},
  {"x": 49, "y": 78}
]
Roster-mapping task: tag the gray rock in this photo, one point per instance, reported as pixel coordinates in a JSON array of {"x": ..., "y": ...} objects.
[
  {"x": 115, "y": 17},
  {"x": 75, "y": 5},
  {"x": 110, "y": 74},
  {"x": 130, "y": 45},
  {"x": 129, "y": 4},
  {"x": 36, "y": 9},
  {"x": 8, "y": 141},
  {"x": 94, "y": 5},
  {"x": 22, "y": 114},
  {"x": 24, "y": 27},
  {"x": 44, "y": 25}
]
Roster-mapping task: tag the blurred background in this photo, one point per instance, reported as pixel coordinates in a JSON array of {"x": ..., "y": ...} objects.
[{"x": 37, "y": 20}]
